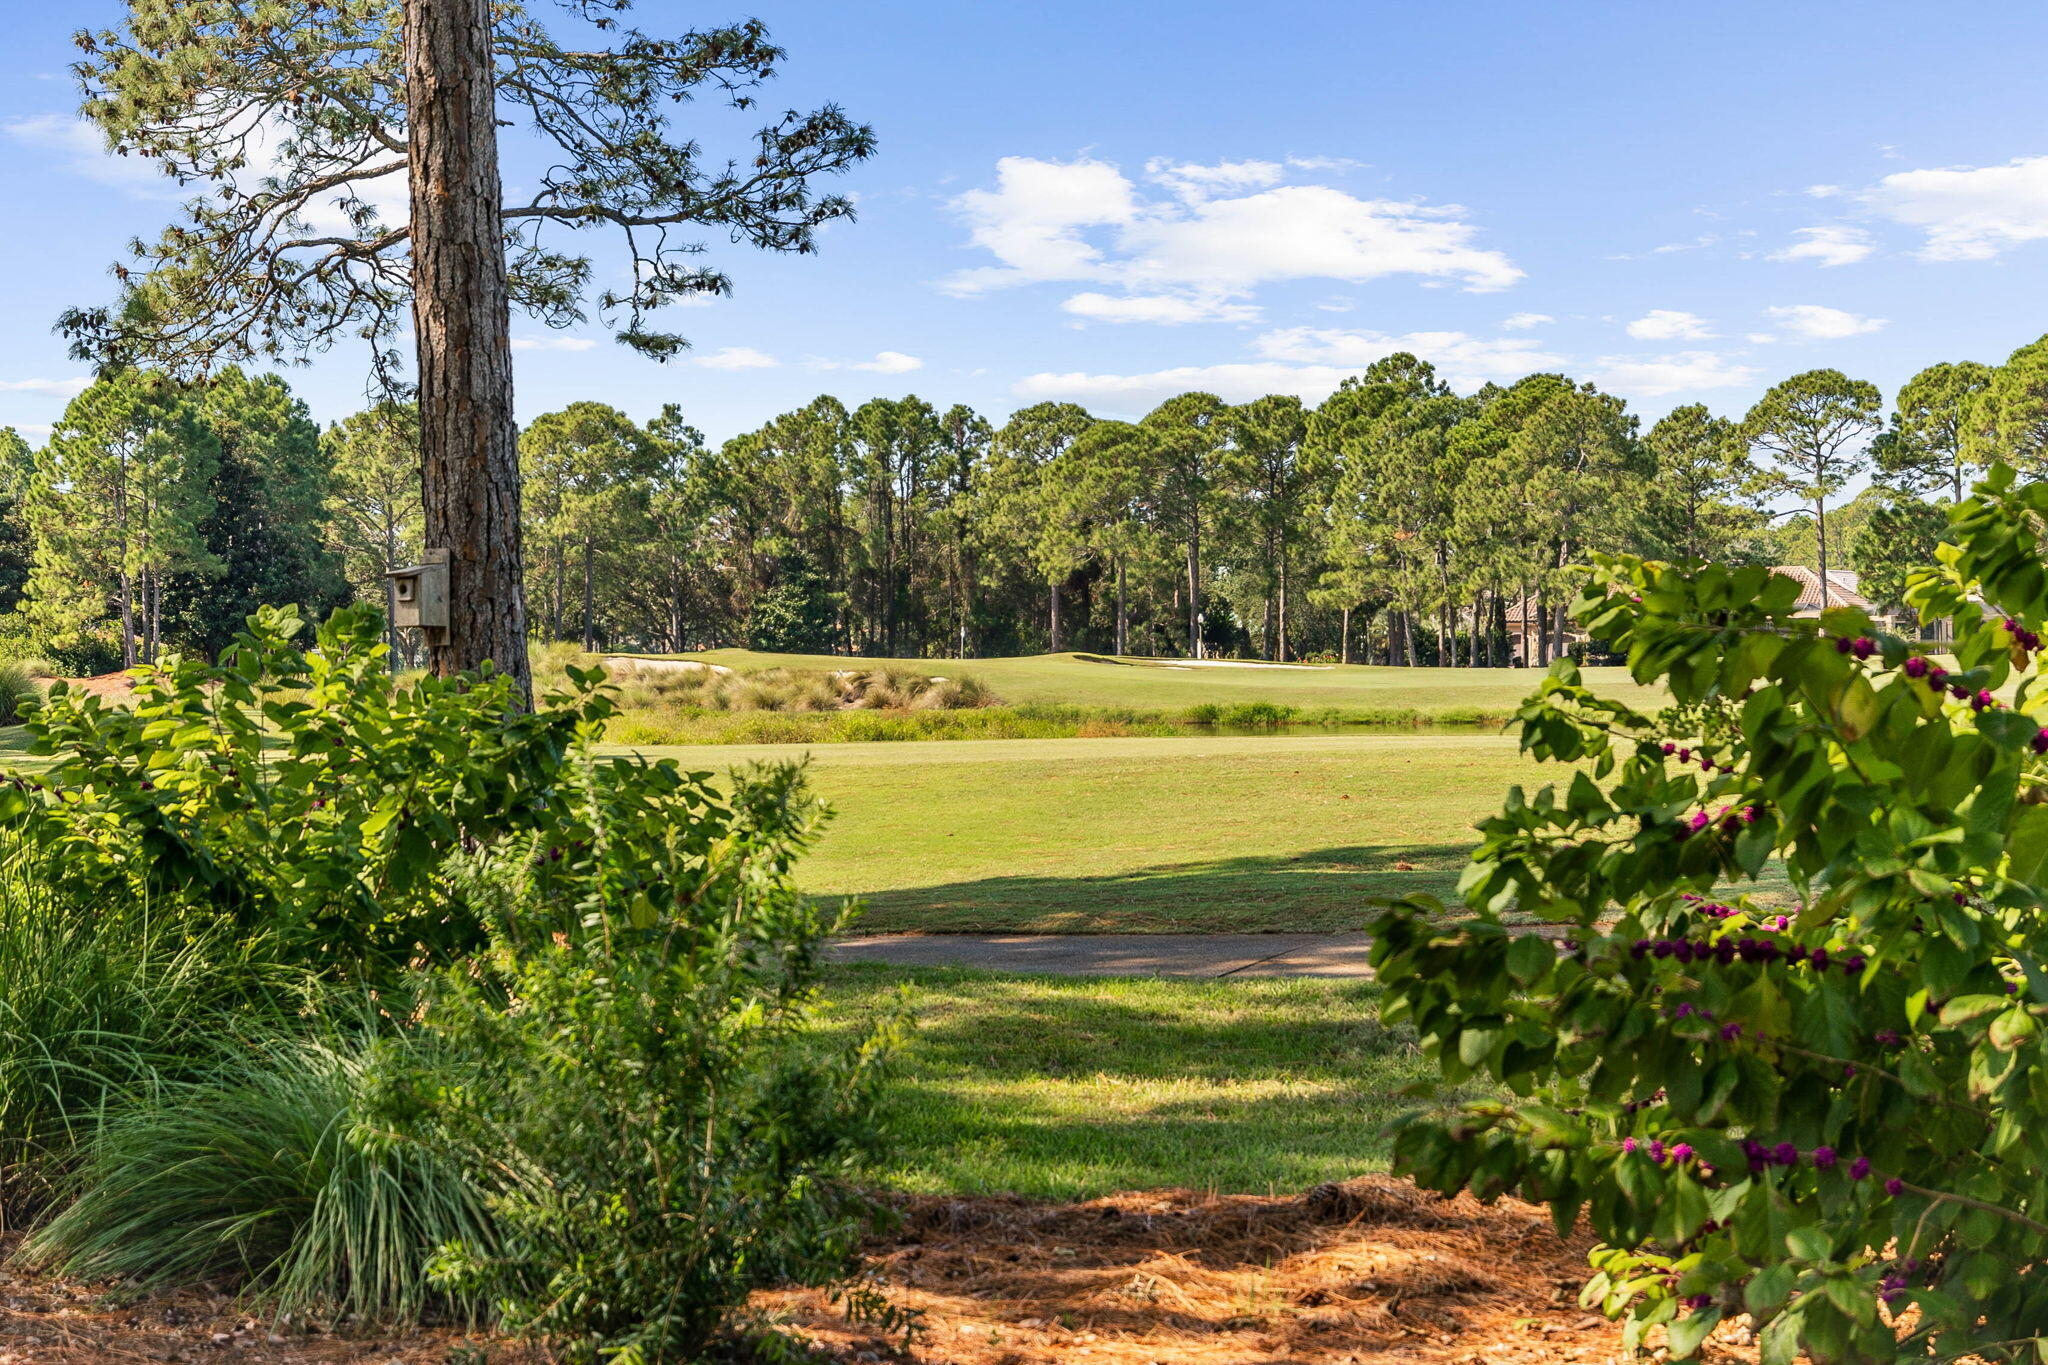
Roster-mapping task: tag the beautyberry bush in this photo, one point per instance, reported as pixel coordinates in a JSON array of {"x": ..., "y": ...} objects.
[{"x": 1823, "y": 1105}]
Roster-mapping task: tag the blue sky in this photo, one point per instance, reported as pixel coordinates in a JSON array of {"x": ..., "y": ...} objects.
[{"x": 1113, "y": 201}]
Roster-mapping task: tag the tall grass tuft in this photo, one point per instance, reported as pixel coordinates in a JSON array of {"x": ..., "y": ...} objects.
[
  {"x": 95, "y": 1001},
  {"x": 259, "y": 1171},
  {"x": 17, "y": 680}
]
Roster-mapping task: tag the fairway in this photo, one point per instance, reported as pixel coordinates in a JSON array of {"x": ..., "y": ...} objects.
[
  {"x": 1290, "y": 831},
  {"x": 1175, "y": 684}
]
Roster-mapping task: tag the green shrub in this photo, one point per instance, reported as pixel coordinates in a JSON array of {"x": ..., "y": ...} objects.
[
  {"x": 1250, "y": 713},
  {"x": 261, "y": 1172},
  {"x": 304, "y": 797},
  {"x": 1203, "y": 713},
  {"x": 1831, "y": 1111},
  {"x": 660, "y": 1124}
]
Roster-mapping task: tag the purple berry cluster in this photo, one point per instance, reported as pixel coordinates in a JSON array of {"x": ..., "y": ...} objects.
[
  {"x": 1754, "y": 950},
  {"x": 1677, "y": 1154},
  {"x": 1687, "y": 755},
  {"x": 1822, "y": 1158},
  {"x": 1894, "y": 1285},
  {"x": 1936, "y": 677}
]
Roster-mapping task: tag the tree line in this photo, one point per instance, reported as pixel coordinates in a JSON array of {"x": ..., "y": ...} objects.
[{"x": 1397, "y": 521}]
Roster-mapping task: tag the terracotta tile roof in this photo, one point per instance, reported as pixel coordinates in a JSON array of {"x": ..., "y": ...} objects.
[{"x": 1843, "y": 585}]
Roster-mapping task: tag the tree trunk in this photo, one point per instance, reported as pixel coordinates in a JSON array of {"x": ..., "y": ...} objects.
[
  {"x": 1122, "y": 610},
  {"x": 589, "y": 617},
  {"x": 127, "y": 619},
  {"x": 1820, "y": 526},
  {"x": 1344, "y": 639},
  {"x": 469, "y": 452},
  {"x": 1283, "y": 606},
  {"x": 1055, "y": 628},
  {"x": 1195, "y": 592},
  {"x": 1408, "y": 639}
]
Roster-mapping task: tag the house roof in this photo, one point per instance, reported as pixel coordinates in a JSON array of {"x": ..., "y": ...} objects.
[{"x": 1843, "y": 588}]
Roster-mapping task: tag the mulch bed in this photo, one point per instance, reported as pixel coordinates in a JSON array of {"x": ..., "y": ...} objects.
[{"x": 1370, "y": 1270}]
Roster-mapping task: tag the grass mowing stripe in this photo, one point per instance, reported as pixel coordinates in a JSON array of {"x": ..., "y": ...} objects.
[{"x": 1105, "y": 835}]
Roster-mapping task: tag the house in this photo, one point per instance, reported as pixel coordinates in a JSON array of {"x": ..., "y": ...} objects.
[
  {"x": 1525, "y": 617},
  {"x": 1525, "y": 626},
  {"x": 1844, "y": 590}
]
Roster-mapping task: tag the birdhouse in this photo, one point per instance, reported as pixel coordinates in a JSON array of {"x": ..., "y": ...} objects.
[{"x": 419, "y": 593}]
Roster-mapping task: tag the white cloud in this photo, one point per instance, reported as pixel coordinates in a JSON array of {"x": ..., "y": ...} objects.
[
  {"x": 79, "y": 148},
  {"x": 1032, "y": 221},
  {"x": 1308, "y": 361},
  {"x": 736, "y": 358},
  {"x": 1234, "y": 383},
  {"x": 1522, "y": 322},
  {"x": 42, "y": 429},
  {"x": 1669, "y": 324},
  {"x": 1812, "y": 322},
  {"x": 60, "y": 388},
  {"x": 1161, "y": 308},
  {"x": 1220, "y": 233},
  {"x": 1339, "y": 164},
  {"x": 1832, "y": 245},
  {"x": 888, "y": 362},
  {"x": 82, "y": 151},
  {"x": 1308, "y": 232},
  {"x": 1463, "y": 359},
  {"x": 1969, "y": 213},
  {"x": 1653, "y": 376},
  {"x": 1705, "y": 239},
  {"x": 553, "y": 343},
  {"x": 1195, "y": 183},
  {"x": 1823, "y": 191}
]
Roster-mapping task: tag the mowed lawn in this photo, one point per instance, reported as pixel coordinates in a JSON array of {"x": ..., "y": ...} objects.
[
  {"x": 1291, "y": 831},
  {"x": 1175, "y": 684},
  {"x": 1068, "y": 1088}
]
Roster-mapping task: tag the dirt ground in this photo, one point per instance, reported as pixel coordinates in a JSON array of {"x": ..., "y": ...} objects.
[{"x": 1368, "y": 1271}]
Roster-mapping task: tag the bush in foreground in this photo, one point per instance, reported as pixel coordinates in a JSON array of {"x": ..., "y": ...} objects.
[
  {"x": 591, "y": 1101},
  {"x": 659, "y": 1122},
  {"x": 1830, "y": 1114}
]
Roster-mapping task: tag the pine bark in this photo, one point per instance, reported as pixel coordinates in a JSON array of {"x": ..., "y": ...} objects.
[{"x": 469, "y": 454}]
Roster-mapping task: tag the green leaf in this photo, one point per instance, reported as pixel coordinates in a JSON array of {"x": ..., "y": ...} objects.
[
  {"x": 1685, "y": 1335},
  {"x": 1809, "y": 1243},
  {"x": 1768, "y": 1289},
  {"x": 1965, "y": 1008},
  {"x": 1530, "y": 956}
]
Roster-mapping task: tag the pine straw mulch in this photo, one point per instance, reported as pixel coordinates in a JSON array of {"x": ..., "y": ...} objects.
[
  {"x": 45, "y": 1321},
  {"x": 1371, "y": 1270}
]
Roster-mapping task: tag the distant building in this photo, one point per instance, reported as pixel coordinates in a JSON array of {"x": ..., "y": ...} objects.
[
  {"x": 1844, "y": 590},
  {"x": 1525, "y": 618},
  {"x": 1526, "y": 626}
]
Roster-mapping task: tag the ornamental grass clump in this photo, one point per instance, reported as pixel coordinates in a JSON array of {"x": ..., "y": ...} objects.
[{"x": 1829, "y": 1115}]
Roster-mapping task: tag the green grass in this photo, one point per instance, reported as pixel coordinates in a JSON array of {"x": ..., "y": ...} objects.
[
  {"x": 1173, "y": 685},
  {"x": 1067, "y": 1088},
  {"x": 1105, "y": 835}
]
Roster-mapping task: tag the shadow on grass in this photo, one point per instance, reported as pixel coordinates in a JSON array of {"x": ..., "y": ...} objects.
[
  {"x": 1060, "y": 1088},
  {"x": 1319, "y": 889}
]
